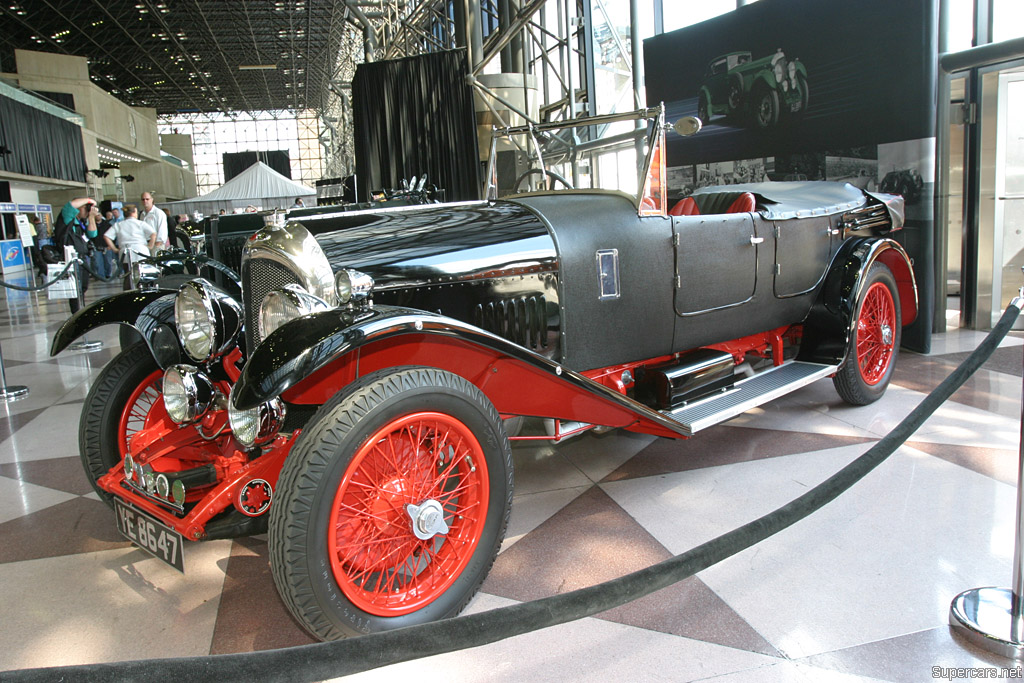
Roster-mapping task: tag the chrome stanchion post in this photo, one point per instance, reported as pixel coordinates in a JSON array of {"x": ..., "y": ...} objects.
[
  {"x": 83, "y": 344},
  {"x": 993, "y": 618},
  {"x": 10, "y": 393}
]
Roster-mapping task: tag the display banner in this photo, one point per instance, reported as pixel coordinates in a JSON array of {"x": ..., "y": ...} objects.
[
  {"x": 792, "y": 90},
  {"x": 12, "y": 256}
]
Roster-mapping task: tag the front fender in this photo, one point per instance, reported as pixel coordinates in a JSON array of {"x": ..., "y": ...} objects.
[
  {"x": 516, "y": 380},
  {"x": 124, "y": 308},
  {"x": 829, "y": 326}
]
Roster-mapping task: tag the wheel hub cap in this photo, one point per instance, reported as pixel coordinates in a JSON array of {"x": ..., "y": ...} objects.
[
  {"x": 886, "y": 335},
  {"x": 427, "y": 519}
]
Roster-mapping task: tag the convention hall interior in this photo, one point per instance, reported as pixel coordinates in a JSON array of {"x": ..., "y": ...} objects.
[{"x": 259, "y": 116}]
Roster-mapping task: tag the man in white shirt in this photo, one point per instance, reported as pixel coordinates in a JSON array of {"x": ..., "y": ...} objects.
[
  {"x": 155, "y": 217},
  {"x": 132, "y": 235}
]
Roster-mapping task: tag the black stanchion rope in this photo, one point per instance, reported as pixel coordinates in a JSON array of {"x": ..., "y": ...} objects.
[{"x": 321, "y": 661}]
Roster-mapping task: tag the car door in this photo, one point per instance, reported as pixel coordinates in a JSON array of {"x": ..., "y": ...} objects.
[
  {"x": 716, "y": 262},
  {"x": 803, "y": 249}
]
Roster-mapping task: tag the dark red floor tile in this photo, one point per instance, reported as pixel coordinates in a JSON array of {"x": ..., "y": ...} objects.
[
  {"x": 80, "y": 525},
  {"x": 594, "y": 540},
  {"x": 62, "y": 474},
  {"x": 251, "y": 615},
  {"x": 723, "y": 445}
]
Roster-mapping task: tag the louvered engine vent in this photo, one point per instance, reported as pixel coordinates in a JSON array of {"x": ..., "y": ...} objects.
[{"x": 522, "y": 320}]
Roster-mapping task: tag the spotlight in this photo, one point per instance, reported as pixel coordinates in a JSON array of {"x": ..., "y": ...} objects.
[
  {"x": 5, "y": 150},
  {"x": 128, "y": 178},
  {"x": 98, "y": 172}
]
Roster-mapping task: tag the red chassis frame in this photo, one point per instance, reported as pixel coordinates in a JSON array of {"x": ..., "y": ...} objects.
[{"x": 514, "y": 388}]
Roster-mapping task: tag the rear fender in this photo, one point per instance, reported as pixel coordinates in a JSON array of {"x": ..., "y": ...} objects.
[
  {"x": 351, "y": 344},
  {"x": 829, "y": 326},
  {"x": 138, "y": 308}
]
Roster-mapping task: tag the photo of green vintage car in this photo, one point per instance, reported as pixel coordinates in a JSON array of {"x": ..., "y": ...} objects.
[{"x": 753, "y": 92}]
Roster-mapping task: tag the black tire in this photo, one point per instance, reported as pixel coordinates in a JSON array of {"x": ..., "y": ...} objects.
[
  {"x": 703, "y": 109},
  {"x": 734, "y": 99},
  {"x": 377, "y": 557},
  {"x": 100, "y": 428},
  {"x": 875, "y": 342},
  {"x": 765, "y": 111}
]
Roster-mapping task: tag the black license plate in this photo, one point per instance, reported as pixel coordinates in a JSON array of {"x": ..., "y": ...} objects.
[{"x": 158, "y": 539}]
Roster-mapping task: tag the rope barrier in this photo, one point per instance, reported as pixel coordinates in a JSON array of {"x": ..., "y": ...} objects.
[
  {"x": 43, "y": 286},
  {"x": 321, "y": 661}
]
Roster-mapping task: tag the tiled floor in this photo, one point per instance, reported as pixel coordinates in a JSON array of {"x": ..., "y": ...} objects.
[{"x": 859, "y": 591}]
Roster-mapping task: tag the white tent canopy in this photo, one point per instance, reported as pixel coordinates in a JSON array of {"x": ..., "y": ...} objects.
[{"x": 259, "y": 186}]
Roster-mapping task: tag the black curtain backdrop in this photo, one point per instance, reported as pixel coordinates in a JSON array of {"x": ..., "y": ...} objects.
[
  {"x": 414, "y": 116},
  {"x": 236, "y": 162},
  {"x": 39, "y": 144}
]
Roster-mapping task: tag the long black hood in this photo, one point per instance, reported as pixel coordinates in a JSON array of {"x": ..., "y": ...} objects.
[{"x": 435, "y": 244}]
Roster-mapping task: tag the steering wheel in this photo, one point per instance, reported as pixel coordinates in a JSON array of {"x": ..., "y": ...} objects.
[{"x": 543, "y": 172}]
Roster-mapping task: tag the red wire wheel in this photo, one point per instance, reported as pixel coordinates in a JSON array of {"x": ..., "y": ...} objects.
[
  {"x": 383, "y": 566},
  {"x": 392, "y": 504},
  {"x": 139, "y": 411},
  {"x": 874, "y": 340},
  {"x": 875, "y": 333}
]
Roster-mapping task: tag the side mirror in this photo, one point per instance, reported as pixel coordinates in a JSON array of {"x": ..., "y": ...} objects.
[{"x": 687, "y": 126}]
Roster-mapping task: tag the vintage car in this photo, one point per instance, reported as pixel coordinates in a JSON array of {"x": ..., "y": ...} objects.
[
  {"x": 358, "y": 402},
  {"x": 753, "y": 91},
  {"x": 906, "y": 182}
]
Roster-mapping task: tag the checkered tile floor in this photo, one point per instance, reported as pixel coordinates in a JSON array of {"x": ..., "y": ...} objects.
[{"x": 858, "y": 591}]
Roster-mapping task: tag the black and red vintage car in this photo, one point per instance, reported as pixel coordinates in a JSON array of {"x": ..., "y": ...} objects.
[{"x": 357, "y": 403}]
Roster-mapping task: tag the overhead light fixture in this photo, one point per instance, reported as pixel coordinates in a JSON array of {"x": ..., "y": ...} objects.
[
  {"x": 256, "y": 67},
  {"x": 99, "y": 172},
  {"x": 128, "y": 178}
]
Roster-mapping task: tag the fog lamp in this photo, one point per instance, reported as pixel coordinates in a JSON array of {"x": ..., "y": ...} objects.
[
  {"x": 352, "y": 285},
  {"x": 256, "y": 426},
  {"x": 188, "y": 394}
]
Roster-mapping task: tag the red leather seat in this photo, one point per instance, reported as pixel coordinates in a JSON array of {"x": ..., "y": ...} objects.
[
  {"x": 685, "y": 207},
  {"x": 744, "y": 204},
  {"x": 738, "y": 202}
]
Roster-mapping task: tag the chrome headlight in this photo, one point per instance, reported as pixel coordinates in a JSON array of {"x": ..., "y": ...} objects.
[
  {"x": 780, "y": 71},
  {"x": 285, "y": 304},
  {"x": 352, "y": 285},
  {"x": 208, "y": 320},
  {"x": 257, "y": 426},
  {"x": 145, "y": 274},
  {"x": 188, "y": 394}
]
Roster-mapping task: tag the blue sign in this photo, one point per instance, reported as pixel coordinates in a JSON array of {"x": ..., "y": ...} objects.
[
  {"x": 12, "y": 256},
  {"x": 27, "y": 208},
  {"x": 8, "y": 208},
  {"x": 44, "y": 208}
]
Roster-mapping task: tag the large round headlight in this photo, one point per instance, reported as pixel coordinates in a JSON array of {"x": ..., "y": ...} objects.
[
  {"x": 352, "y": 285},
  {"x": 780, "y": 70},
  {"x": 257, "y": 426},
  {"x": 286, "y": 304},
  {"x": 208, "y": 320},
  {"x": 187, "y": 393}
]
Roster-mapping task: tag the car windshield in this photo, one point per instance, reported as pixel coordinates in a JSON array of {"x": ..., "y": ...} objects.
[
  {"x": 622, "y": 152},
  {"x": 736, "y": 60}
]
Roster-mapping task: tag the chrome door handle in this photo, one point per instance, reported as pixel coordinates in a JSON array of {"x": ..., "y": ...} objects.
[{"x": 756, "y": 240}]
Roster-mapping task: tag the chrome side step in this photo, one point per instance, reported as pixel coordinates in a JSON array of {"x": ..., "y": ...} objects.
[{"x": 748, "y": 393}]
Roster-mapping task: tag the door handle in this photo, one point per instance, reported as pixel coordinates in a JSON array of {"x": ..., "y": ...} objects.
[{"x": 756, "y": 240}]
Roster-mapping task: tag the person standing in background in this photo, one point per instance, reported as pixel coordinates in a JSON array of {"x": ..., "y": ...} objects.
[
  {"x": 155, "y": 217},
  {"x": 75, "y": 226}
]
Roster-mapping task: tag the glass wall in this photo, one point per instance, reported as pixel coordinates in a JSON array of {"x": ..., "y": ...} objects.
[{"x": 216, "y": 134}]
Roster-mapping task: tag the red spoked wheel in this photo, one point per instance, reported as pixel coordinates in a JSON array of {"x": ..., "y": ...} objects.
[
  {"x": 392, "y": 505},
  {"x": 875, "y": 333},
  {"x": 124, "y": 399},
  {"x": 143, "y": 406},
  {"x": 409, "y": 513},
  {"x": 874, "y": 342}
]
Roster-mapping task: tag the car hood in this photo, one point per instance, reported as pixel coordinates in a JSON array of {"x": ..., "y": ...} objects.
[{"x": 433, "y": 244}]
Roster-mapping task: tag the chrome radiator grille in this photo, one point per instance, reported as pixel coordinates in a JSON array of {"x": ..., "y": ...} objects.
[{"x": 259, "y": 278}]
